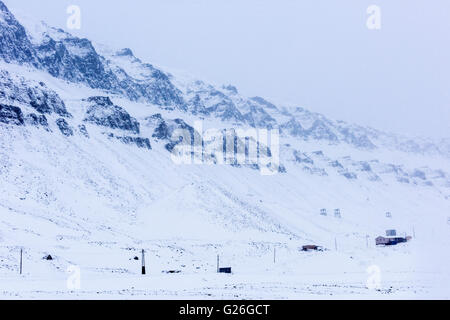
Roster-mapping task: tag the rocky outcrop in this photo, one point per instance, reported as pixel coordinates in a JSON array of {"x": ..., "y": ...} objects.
[
  {"x": 37, "y": 120},
  {"x": 102, "y": 112},
  {"x": 205, "y": 100},
  {"x": 83, "y": 130},
  {"x": 75, "y": 59},
  {"x": 11, "y": 115},
  {"x": 15, "y": 46},
  {"x": 64, "y": 127},
  {"x": 18, "y": 91},
  {"x": 143, "y": 143}
]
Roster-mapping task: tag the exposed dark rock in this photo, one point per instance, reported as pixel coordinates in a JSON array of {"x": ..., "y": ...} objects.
[
  {"x": 17, "y": 90},
  {"x": 282, "y": 169},
  {"x": 83, "y": 130},
  {"x": 76, "y": 60},
  {"x": 64, "y": 127},
  {"x": 143, "y": 143},
  {"x": 37, "y": 120},
  {"x": 349, "y": 175},
  {"x": 103, "y": 112},
  {"x": 14, "y": 43},
  {"x": 140, "y": 142},
  {"x": 162, "y": 130},
  {"x": 11, "y": 115},
  {"x": 100, "y": 100}
]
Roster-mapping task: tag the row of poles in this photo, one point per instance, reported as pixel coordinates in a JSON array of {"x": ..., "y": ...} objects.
[
  {"x": 274, "y": 253},
  {"x": 143, "y": 271}
]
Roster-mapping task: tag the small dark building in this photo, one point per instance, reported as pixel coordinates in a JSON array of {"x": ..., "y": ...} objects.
[
  {"x": 391, "y": 241},
  {"x": 225, "y": 270},
  {"x": 311, "y": 247}
]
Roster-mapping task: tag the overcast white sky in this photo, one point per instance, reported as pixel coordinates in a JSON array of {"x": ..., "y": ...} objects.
[{"x": 314, "y": 53}]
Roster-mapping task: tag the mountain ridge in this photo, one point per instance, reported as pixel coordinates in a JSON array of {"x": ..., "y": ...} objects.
[{"x": 120, "y": 72}]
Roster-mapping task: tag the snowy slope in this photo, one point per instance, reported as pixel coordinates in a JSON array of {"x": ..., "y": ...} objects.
[{"x": 94, "y": 184}]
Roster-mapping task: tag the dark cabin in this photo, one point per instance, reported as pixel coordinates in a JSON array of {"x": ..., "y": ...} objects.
[
  {"x": 390, "y": 241},
  {"x": 225, "y": 270},
  {"x": 311, "y": 247}
]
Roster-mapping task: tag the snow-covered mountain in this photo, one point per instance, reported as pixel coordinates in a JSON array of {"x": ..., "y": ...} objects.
[{"x": 86, "y": 139}]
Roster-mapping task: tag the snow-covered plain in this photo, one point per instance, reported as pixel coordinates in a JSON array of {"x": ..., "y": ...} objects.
[{"x": 94, "y": 203}]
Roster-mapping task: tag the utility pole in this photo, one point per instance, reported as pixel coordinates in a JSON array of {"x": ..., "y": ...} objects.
[
  {"x": 143, "y": 261},
  {"x": 335, "y": 243},
  {"x": 414, "y": 233},
  {"x": 21, "y": 253},
  {"x": 218, "y": 263},
  {"x": 274, "y": 255},
  {"x": 367, "y": 241}
]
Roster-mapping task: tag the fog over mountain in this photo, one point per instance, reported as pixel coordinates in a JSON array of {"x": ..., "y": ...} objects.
[{"x": 316, "y": 54}]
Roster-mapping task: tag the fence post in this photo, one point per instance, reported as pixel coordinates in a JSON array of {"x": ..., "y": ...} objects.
[
  {"x": 274, "y": 255},
  {"x": 21, "y": 254},
  {"x": 143, "y": 261}
]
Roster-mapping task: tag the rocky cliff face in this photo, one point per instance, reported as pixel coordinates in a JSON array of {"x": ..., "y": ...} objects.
[
  {"x": 16, "y": 90},
  {"x": 70, "y": 58},
  {"x": 15, "y": 45},
  {"x": 103, "y": 112},
  {"x": 11, "y": 115},
  {"x": 27, "y": 102}
]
